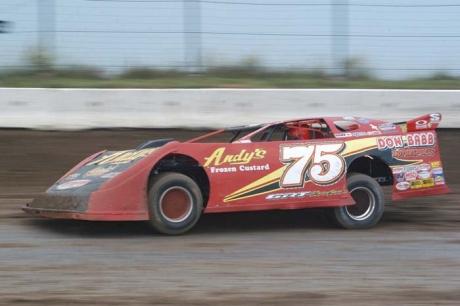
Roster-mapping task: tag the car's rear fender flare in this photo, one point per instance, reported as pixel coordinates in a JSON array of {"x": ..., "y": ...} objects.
[{"x": 373, "y": 166}]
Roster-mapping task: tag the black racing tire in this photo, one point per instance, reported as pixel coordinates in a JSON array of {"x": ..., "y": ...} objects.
[
  {"x": 175, "y": 203},
  {"x": 369, "y": 207}
]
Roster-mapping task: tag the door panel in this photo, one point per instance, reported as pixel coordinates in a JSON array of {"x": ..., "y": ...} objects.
[{"x": 275, "y": 174}]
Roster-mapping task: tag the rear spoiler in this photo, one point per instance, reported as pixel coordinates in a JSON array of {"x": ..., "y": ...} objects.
[{"x": 424, "y": 123}]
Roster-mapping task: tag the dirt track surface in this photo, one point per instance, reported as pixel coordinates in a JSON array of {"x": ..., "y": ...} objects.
[{"x": 412, "y": 257}]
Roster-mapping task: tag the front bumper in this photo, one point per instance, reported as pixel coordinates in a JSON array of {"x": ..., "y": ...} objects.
[
  {"x": 53, "y": 204},
  {"x": 61, "y": 201},
  {"x": 99, "y": 216},
  {"x": 80, "y": 206}
]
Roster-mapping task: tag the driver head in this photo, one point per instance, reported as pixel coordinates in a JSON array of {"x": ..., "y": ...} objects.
[{"x": 298, "y": 133}]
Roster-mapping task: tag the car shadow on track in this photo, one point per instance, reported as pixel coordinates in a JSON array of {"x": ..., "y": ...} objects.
[
  {"x": 264, "y": 221},
  {"x": 208, "y": 224}
]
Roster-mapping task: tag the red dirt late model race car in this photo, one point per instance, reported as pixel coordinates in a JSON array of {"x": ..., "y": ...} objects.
[{"x": 339, "y": 163}]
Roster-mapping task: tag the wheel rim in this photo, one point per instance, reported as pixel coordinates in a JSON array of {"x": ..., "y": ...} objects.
[
  {"x": 176, "y": 204},
  {"x": 365, "y": 204}
]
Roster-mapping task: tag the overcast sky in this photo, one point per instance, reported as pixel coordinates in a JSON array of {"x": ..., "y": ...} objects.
[{"x": 396, "y": 39}]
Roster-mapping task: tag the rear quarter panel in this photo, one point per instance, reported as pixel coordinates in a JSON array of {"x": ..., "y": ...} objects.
[
  {"x": 416, "y": 164},
  {"x": 414, "y": 159}
]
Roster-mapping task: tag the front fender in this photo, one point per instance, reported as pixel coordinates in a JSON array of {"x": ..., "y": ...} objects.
[{"x": 127, "y": 192}]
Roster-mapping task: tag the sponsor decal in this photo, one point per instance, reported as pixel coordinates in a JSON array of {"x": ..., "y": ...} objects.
[
  {"x": 422, "y": 124},
  {"x": 363, "y": 120},
  {"x": 222, "y": 169},
  {"x": 243, "y": 141},
  {"x": 72, "y": 176},
  {"x": 411, "y": 168},
  {"x": 424, "y": 174},
  {"x": 435, "y": 164},
  {"x": 72, "y": 184},
  {"x": 421, "y": 139},
  {"x": 343, "y": 135},
  {"x": 400, "y": 177},
  {"x": 357, "y": 134},
  {"x": 254, "y": 168},
  {"x": 416, "y": 184},
  {"x": 381, "y": 179},
  {"x": 371, "y": 133},
  {"x": 403, "y": 186},
  {"x": 424, "y": 167},
  {"x": 122, "y": 157},
  {"x": 289, "y": 195},
  {"x": 303, "y": 194},
  {"x": 429, "y": 182},
  {"x": 110, "y": 175},
  {"x": 439, "y": 179},
  {"x": 397, "y": 170},
  {"x": 219, "y": 157},
  {"x": 374, "y": 127},
  {"x": 410, "y": 175},
  {"x": 403, "y": 128},
  {"x": 390, "y": 142},
  {"x": 435, "y": 118},
  {"x": 436, "y": 171},
  {"x": 243, "y": 168},
  {"x": 349, "y": 118},
  {"x": 327, "y": 193},
  {"x": 101, "y": 170},
  {"x": 419, "y": 152},
  {"x": 387, "y": 127}
]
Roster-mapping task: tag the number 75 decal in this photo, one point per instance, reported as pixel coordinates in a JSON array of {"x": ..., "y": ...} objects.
[{"x": 322, "y": 163}]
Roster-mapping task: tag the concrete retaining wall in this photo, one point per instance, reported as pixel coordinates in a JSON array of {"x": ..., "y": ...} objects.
[{"x": 65, "y": 109}]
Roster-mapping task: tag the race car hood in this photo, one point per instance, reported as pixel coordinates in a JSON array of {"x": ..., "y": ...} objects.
[{"x": 104, "y": 167}]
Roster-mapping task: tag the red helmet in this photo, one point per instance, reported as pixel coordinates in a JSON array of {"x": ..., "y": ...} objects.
[{"x": 297, "y": 132}]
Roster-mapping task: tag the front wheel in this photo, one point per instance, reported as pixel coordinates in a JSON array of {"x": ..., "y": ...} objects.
[
  {"x": 175, "y": 203},
  {"x": 370, "y": 203}
]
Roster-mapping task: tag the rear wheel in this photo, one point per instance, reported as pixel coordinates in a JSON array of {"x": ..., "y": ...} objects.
[
  {"x": 175, "y": 203},
  {"x": 370, "y": 203}
]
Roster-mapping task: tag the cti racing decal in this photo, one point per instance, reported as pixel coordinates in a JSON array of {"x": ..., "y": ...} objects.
[{"x": 321, "y": 163}]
